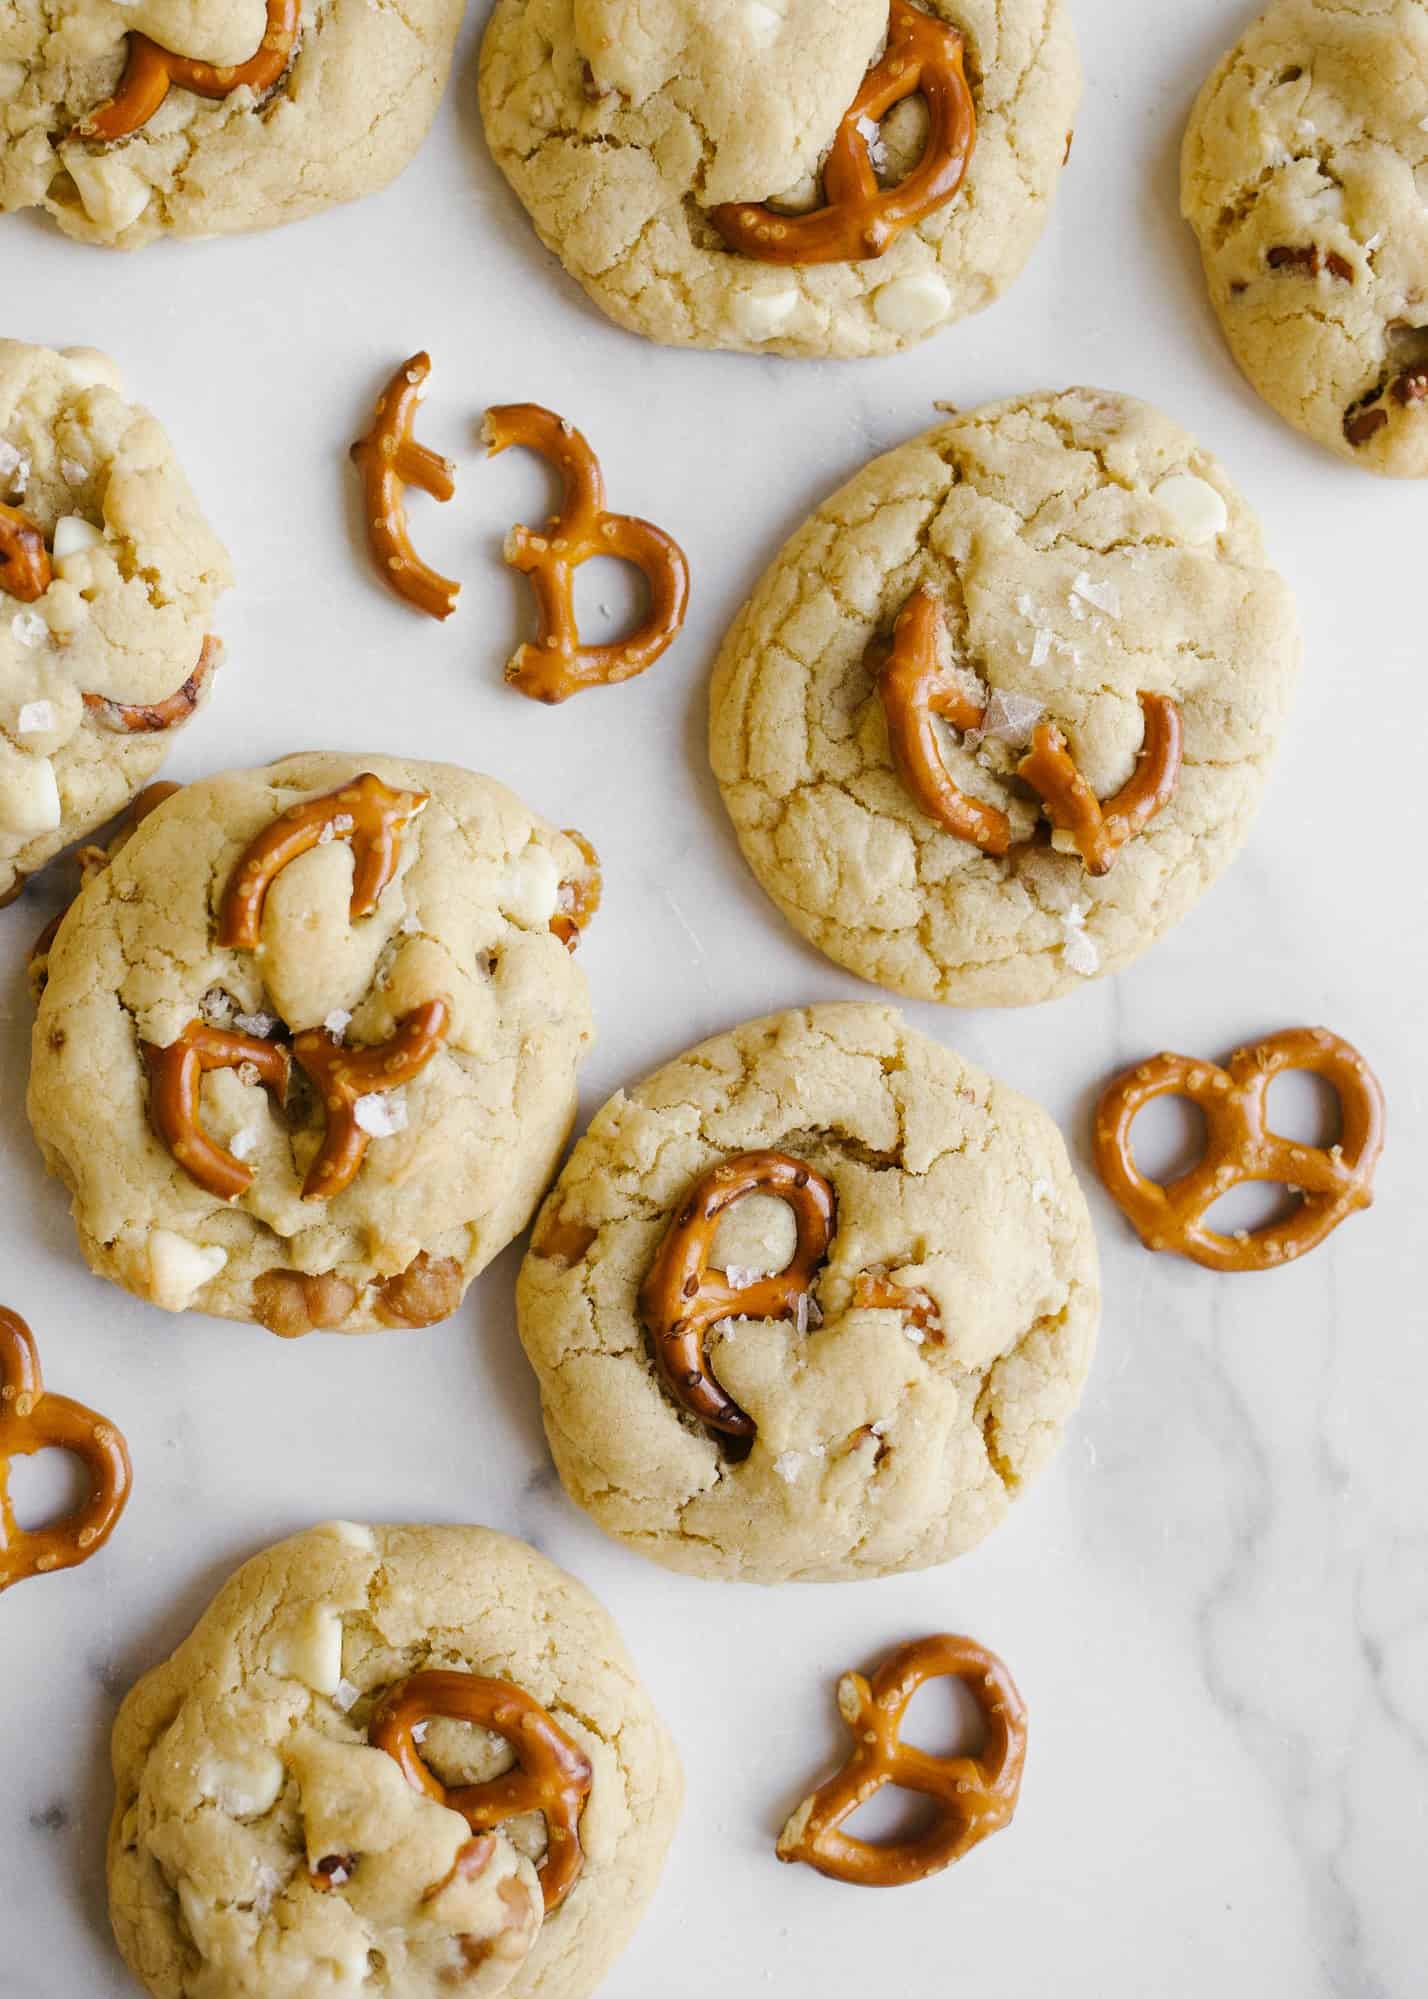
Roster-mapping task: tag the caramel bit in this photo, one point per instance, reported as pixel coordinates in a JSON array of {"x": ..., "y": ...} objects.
[
  {"x": 563, "y": 1242},
  {"x": 1365, "y": 426},
  {"x": 972, "y": 1797},
  {"x": 559, "y": 664},
  {"x": 25, "y": 571},
  {"x": 1100, "y": 831},
  {"x": 579, "y": 898},
  {"x": 1308, "y": 260},
  {"x": 344, "y": 1076},
  {"x": 681, "y": 1299},
  {"x": 427, "y": 1291},
  {"x": 150, "y": 71},
  {"x": 1241, "y": 1147},
  {"x": 860, "y": 219},
  {"x": 31, "y": 1419},
  {"x": 389, "y": 460},
  {"x": 175, "y": 1081},
  {"x": 552, "y": 1775},
  {"x": 134, "y": 718},
  {"x": 291, "y": 1303}
]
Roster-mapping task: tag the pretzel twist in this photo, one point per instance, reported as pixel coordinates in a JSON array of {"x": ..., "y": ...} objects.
[
  {"x": 972, "y": 1796},
  {"x": 681, "y": 1298},
  {"x": 1240, "y": 1147},
  {"x": 389, "y": 460},
  {"x": 552, "y": 1775},
  {"x": 367, "y": 813},
  {"x": 25, "y": 569},
  {"x": 132, "y": 718},
  {"x": 175, "y": 1085},
  {"x": 579, "y": 896},
  {"x": 32, "y": 1420},
  {"x": 859, "y": 219},
  {"x": 343, "y": 1075},
  {"x": 558, "y": 664},
  {"x": 1100, "y": 831},
  {"x": 150, "y": 71},
  {"x": 915, "y": 685}
]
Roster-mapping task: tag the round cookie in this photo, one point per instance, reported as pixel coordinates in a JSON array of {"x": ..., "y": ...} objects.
[
  {"x": 622, "y": 123},
  {"x": 946, "y": 1336},
  {"x": 454, "y": 988},
  {"x": 1082, "y": 550},
  {"x": 105, "y": 602},
  {"x": 341, "y": 119},
  {"x": 262, "y": 1848},
  {"x": 1305, "y": 177}
]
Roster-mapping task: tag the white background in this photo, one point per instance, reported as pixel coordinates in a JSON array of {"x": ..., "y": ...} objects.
[{"x": 1216, "y": 1603}]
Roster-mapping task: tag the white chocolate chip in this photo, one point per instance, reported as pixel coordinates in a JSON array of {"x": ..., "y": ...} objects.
[
  {"x": 73, "y": 535},
  {"x": 311, "y": 1650},
  {"x": 354, "y": 1532},
  {"x": 1078, "y": 950},
  {"x": 179, "y": 1269},
  {"x": 530, "y": 888},
  {"x": 29, "y": 797},
  {"x": 912, "y": 304},
  {"x": 111, "y": 194},
  {"x": 761, "y": 23},
  {"x": 1196, "y": 512},
  {"x": 243, "y": 1788},
  {"x": 244, "y": 1144},
  {"x": 763, "y": 315},
  {"x": 36, "y": 718}
]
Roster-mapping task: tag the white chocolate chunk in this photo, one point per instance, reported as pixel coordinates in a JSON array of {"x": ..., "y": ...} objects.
[
  {"x": 36, "y": 718},
  {"x": 311, "y": 1650},
  {"x": 530, "y": 888},
  {"x": 763, "y": 315},
  {"x": 245, "y": 1787},
  {"x": 73, "y": 535},
  {"x": 912, "y": 304},
  {"x": 760, "y": 23},
  {"x": 179, "y": 1269},
  {"x": 110, "y": 193},
  {"x": 354, "y": 1532},
  {"x": 1195, "y": 511},
  {"x": 29, "y": 797}
]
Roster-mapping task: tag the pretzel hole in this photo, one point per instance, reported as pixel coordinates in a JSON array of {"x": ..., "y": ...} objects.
[
  {"x": 758, "y": 1233},
  {"x": 893, "y": 1818},
  {"x": 902, "y": 140},
  {"x": 461, "y": 1752},
  {"x": 944, "y": 1719},
  {"x": 1258, "y": 1204},
  {"x": 45, "y": 1487},
  {"x": 611, "y": 599},
  {"x": 1305, "y": 1108},
  {"x": 1169, "y": 1138}
]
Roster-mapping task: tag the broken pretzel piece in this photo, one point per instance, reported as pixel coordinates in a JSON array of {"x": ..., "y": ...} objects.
[
  {"x": 915, "y": 685},
  {"x": 151, "y": 70},
  {"x": 133, "y": 718},
  {"x": 579, "y": 896},
  {"x": 389, "y": 460},
  {"x": 344, "y": 1076},
  {"x": 25, "y": 569},
  {"x": 175, "y": 1082},
  {"x": 1100, "y": 831}
]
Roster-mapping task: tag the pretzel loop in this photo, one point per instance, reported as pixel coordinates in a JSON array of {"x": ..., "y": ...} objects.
[
  {"x": 343, "y": 1076},
  {"x": 859, "y": 219},
  {"x": 915, "y": 685},
  {"x": 682, "y": 1297},
  {"x": 25, "y": 569},
  {"x": 32, "y": 1420},
  {"x": 558, "y": 665},
  {"x": 389, "y": 460},
  {"x": 133, "y": 718},
  {"x": 973, "y": 1796},
  {"x": 150, "y": 71},
  {"x": 551, "y": 1775},
  {"x": 579, "y": 895},
  {"x": 175, "y": 1083},
  {"x": 1242, "y": 1148},
  {"x": 367, "y": 813},
  {"x": 1100, "y": 831}
]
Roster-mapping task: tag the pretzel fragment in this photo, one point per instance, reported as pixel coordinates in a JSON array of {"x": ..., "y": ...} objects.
[
  {"x": 389, "y": 460},
  {"x": 551, "y": 1775},
  {"x": 1241, "y": 1147},
  {"x": 558, "y": 665},
  {"x": 132, "y": 718},
  {"x": 175, "y": 1082},
  {"x": 366, "y": 812},
  {"x": 859, "y": 219},
  {"x": 25, "y": 569},
  {"x": 681, "y": 1297},
  {"x": 344, "y": 1076},
  {"x": 915, "y": 685},
  {"x": 33, "y": 1420},
  {"x": 1100, "y": 831},
  {"x": 972, "y": 1796},
  {"x": 579, "y": 897},
  {"x": 875, "y": 1290},
  {"x": 150, "y": 71}
]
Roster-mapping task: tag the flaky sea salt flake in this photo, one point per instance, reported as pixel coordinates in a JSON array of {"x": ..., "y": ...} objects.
[{"x": 381, "y": 1114}]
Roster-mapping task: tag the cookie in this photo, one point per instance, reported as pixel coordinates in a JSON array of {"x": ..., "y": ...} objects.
[
  {"x": 263, "y": 1846},
  {"x": 267, "y": 110},
  {"x": 638, "y": 133},
  {"x": 306, "y": 1050},
  {"x": 1081, "y": 557},
  {"x": 109, "y": 576},
  {"x": 1305, "y": 177},
  {"x": 877, "y": 1405}
]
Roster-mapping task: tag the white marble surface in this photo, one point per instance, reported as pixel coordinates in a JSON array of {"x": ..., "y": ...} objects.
[{"x": 1217, "y": 1602}]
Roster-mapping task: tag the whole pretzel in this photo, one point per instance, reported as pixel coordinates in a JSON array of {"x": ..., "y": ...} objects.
[
  {"x": 1241, "y": 1147},
  {"x": 551, "y": 1776},
  {"x": 389, "y": 460},
  {"x": 859, "y": 219},
  {"x": 973, "y": 1796},
  {"x": 150, "y": 71},
  {"x": 915, "y": 685},
  {"x": 1100, "y": 831},
  {"x": 579, "y": 896},
  {"x": 138, "y": 718},
  {"x": 32, "y": 1420},
  {"x": 558, "y": 665},
  {"x": 682, "y": 1297},
  {"x": 175, "y": 1083},
  {"x": 25, "y": 570},
  {"x": 366, "y": 812},
  {"x": 344, "y": 1075}
]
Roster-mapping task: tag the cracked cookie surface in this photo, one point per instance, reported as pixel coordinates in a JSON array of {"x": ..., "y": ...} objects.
[
  {"x": 1084, "y": 549},
  {"x": 887, "y": 1439},
  {"x": 1305, "y": 178},
  {"x": 134, "y": 576},
  {"x": 347, "y": 115},
  {"x": 456, "y": 1159},
  {"x": 260, "y": 1848},
  {"x": 620, "y": 123}
]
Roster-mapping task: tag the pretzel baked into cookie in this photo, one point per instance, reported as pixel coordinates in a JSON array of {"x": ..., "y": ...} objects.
[
  {"x": 1240, "y": 1147},
  {"x": 31, "y": 1419},
  {"x": 558, "y": 664},
  {"x": 25, "y": 571},
  {"x": 150, "y": 71},
  {"x": 972, "y": 1796},
  {"x": 389, "y": 460}
]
